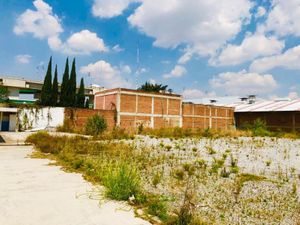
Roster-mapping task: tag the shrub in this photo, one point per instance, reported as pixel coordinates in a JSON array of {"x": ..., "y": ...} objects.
[
  {"x": 157, "y": 206},
  {"x": 95, "y": 125},
  {"x": 46, "y": 143},
  {"x": 116, "y": 133},
  {"x": 122, "y": 181}
]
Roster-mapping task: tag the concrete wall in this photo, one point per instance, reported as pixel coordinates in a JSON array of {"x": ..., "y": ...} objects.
[
  {"x": 198, "y": 116},
  {"x": 285, "y": 121},
  {"x": 40, "y": 118}
]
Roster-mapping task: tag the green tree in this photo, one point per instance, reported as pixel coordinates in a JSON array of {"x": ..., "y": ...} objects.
[
  {"x": 55, "y": 88},
  {"x": 3, "y": 94},
  {"x": 148, "y": 87},
  {"x": 64, "y": 85},
  {"x": 47, "y": 86},
  {"x": 87, "y": 103},
  {"x": 71, "y": 94},
  {"x": 80, "y": 95},
  {"x": 95, "y": 125}
]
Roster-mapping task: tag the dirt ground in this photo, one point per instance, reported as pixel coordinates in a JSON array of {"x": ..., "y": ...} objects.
[{"x": 34, "y": 193}]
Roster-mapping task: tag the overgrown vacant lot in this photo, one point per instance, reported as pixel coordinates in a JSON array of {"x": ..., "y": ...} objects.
[{"x": 243, "y": 180}]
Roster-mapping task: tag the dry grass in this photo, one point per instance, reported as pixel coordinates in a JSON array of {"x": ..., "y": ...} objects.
[{"x": 176, "y": 181}]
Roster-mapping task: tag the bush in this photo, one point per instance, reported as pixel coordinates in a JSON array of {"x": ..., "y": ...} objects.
[
  {"x": 95, "y": 125},
  {"x": 116, "y": 133},
  {"x": 46, "y": 143},
  {"x": 121, "y": 180},
  {"x": 157, "y": 206}
]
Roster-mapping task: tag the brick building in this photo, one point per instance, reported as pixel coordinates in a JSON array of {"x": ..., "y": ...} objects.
[
  {"x": 159, "y": 110},
  {"x": 200, "y": 116},
  {"x": 154, "y": 110}
]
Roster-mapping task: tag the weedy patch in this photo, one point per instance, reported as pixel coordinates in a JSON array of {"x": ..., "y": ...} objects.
[{"x": 219, "y": 180}]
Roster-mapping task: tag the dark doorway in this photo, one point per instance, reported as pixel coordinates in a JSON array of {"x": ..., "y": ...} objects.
[{"x": 5, "y": 122}]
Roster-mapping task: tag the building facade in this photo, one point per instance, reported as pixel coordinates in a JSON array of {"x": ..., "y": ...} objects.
[
  {"x": 200, "y": 116},
  {"x": 23, "y": 91},
  {"x": 135, "y": 108},
  {"x": 160, "y": 110},
  {"x": 279, "y": 115}
]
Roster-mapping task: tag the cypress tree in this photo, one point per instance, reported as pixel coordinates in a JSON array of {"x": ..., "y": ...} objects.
[
  {"x": 47, "y": 86},
  {"x": 80, "y": 96},
  {"x": 87, "y": 103},
  {"x": 55, "y": 88},
  {"x": 72, "y": 86},
  {"x": 64, "y": 85}
]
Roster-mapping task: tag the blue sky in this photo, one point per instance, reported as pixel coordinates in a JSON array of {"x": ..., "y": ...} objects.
[{"x": 199, "y": 48}]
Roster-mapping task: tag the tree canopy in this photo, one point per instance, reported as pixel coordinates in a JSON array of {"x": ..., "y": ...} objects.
[
  {"x": 64, "y": 85},
  {"x": 80, "y": 95},
  {"x": 46, "y": 93},
  {"x": 68, "y": 96},
  {"x": 149, "y": 87},
  {"x": 71, "y": 94},
  {"x": 55, "y": 88}
]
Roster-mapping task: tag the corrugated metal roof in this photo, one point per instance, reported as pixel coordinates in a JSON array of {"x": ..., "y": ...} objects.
[{"x": 268, "y": 106}]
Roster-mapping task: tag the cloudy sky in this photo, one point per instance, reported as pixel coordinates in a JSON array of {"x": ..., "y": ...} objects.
[{"x": 199, "y": 48}]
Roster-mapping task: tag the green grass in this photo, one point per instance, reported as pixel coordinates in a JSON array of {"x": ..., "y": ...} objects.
[
  {"x": 121, "y": 180},
  {"x": 114, "y": 165}
]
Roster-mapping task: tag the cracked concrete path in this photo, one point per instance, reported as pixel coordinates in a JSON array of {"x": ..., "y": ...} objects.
[{"x": 34, "y": 193}]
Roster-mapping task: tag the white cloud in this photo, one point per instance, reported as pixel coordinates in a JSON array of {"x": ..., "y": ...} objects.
[
  {"x": 203, "y": 25},
  {"x": 42, "y": 23},
  {"x": 196, "y": 94},
  {"x": 117, "y": 48},
  {"x": 109, "y": 8},
  {"x": 126, "y": 69},
  {"x": 283, "y": 18},
  {"x": 84, "y": 42},
  {"x": 288, "y": 60},
  {"x": 105, "y": 74},
  {"x": 261, "y": 11},
  {"x": 152, "y": 81},
  {"x": 243, "y": 83},
  {"x": 253, "y": 46},
  {"x": 178, "y": 71},
  {"x": 188, "y": 54},
  {"x": 24, "y": 59}
]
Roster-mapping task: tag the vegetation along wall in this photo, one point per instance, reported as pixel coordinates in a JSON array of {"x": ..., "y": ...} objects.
[
  {"x": 276, "y": 121},
  {"x": 78, "y": 117}
]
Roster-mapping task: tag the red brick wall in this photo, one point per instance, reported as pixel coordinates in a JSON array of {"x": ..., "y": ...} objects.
[
  {"x": 107, "y": 102},
  {"x": 132, "y": 122},
  {"x": 128, "y": 103},
  {"x": 111, "y": 102},
  {"x": 80, "y": 116},
  {"x": 160, "y": 122},
  {"x": 144, "y": 104},
  {"x": 174, "y": 107},
  {"x": 200, "y": 116},
  {"x": 99, "y": 100},
  {"x": 160, "y": 106}
]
